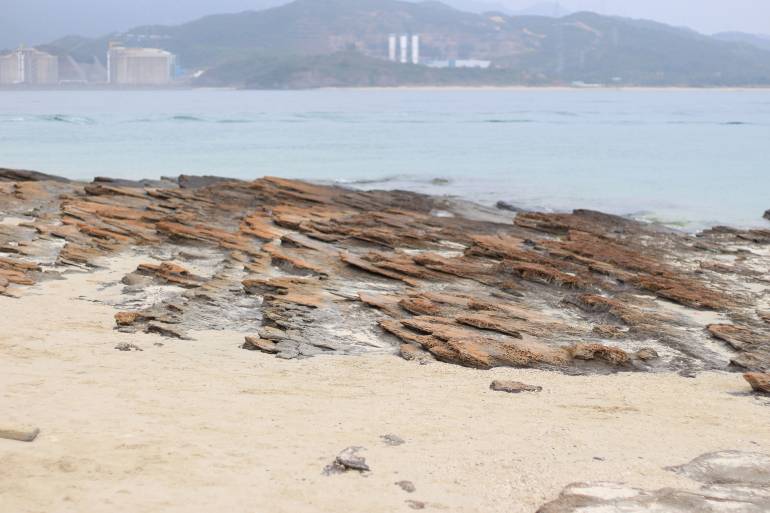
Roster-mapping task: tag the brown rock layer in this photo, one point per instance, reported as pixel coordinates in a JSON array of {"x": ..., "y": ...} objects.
[{"x": 327, "y": 269}]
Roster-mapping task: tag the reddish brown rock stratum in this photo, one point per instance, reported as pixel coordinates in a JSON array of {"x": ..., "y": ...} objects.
[{"x": 305, "y": 269}]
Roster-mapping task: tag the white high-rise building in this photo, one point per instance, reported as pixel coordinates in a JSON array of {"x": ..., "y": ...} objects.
[
  {"x": 415, "y": 49},
  {"x": 139, "y": 66},
  {"x": 404, "y": 49},
  {"x": 29, "y": 66},
  {"x": 392, "y": 45}
]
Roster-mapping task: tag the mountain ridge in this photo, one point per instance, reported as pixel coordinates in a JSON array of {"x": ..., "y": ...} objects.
[{"x": 579, "y": 47}]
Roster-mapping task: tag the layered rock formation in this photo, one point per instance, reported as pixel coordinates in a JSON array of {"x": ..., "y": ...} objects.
[{"x": 305, "y": 269}]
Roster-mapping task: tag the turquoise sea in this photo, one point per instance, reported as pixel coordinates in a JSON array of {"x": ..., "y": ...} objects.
[{"x": 691, "y": 158}]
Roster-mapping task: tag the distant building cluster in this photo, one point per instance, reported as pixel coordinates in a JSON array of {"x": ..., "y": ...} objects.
[
  {"x": 125, "y": 66},
  {"x": 139, "y": 66},
  {"x": 460, "y": 63},
  {"x": 404, "y": 48},
  {"x": 29, "y": 66}
]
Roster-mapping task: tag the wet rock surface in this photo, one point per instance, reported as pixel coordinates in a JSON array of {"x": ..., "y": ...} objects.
[
  {"x": 732, "y": 481},
  {"x": 306, "y": 270}
]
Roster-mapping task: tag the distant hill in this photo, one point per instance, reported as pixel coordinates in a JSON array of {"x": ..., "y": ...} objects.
[
  {"x": 585, "y": 47},
  {"x": 757, "y": 40}
]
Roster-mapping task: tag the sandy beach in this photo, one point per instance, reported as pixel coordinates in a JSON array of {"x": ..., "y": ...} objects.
[{"x": 202, "y": 425}]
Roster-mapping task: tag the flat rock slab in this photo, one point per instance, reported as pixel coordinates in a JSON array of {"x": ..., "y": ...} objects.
[
  {"x": 513, "y": 387},
  {"x": 728, "y": 467},
  {"x": 617, "y": 497},
  {"x": 19, "y": 433},
  {"x": 733, "y": 482}
]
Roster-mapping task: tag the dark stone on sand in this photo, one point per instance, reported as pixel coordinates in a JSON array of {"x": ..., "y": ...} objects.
[
  {"x": 407, "y": 486},
  {"x": 127, "y": 346}
]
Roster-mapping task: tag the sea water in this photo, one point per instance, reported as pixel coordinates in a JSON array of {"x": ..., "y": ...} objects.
[{"x": 689, "y": 158}]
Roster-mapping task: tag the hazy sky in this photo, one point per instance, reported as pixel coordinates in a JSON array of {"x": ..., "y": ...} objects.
[{"x": 39, "y": 21}]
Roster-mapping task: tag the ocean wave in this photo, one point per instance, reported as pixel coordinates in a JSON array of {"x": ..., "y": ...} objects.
[
  {"x": 371, "y": 181},
  {"x": 63, "y": 118},
  {"x": 187, "y": 118},
  {"x": 508, "y": 121},
  {"x": 234, "y": 121}
]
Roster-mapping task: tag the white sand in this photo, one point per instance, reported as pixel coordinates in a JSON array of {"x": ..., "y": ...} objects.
[{"x": 205, "y": 426}]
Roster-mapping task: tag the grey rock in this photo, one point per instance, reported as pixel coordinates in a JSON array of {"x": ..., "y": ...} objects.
[
  {"x": 407, "y": 486},
  {"x": 309, "y": 350},
  {"x": 287, "y": 345},
  {"x": 323, "y": 344},
  {"x": 288, "y": 355},
  {"x": 347, "y": 460},
  {"x": 617, "y": 497},
  {"x": 393, "y": 440},
  {"x": 136, "y": 280},
  {"x": 165, "y": 330},
  {"x": 274, "y": 334},
  {"x": 646, "y": 354},
  {"x": 416, "y": 504},
  {"x": 513, "y": 387},
  {"x": 728, "y": 467},
  {"x": 127, "y": 346},
  {"x": 19, "y": 433}
]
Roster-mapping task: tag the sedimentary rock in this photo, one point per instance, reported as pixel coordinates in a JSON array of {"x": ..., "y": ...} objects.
[
  {"x": 759, "y": 382},
  {"x": 316, "y": 270}
]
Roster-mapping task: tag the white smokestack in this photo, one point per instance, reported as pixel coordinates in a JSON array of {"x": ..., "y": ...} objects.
[
  {"x": 404, "y": 49},
  {"x": 415, "y": 49},
  {"x": 392, "y": 47}
]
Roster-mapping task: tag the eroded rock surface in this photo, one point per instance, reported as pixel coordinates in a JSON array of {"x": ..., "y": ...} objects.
[
  {"x": 733, "y": 481},
  {"x": 306, "y": 270}
]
